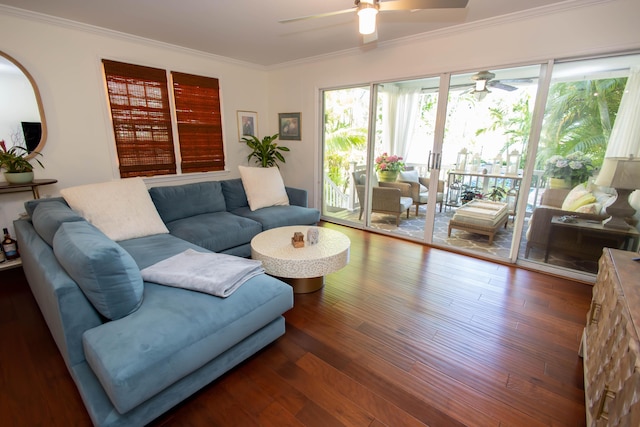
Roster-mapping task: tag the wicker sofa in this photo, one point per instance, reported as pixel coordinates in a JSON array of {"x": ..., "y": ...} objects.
[{"x": 540, "y": 222}]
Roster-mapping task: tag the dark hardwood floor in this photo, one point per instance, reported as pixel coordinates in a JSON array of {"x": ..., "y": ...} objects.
[{"x": 405, "y": 335}]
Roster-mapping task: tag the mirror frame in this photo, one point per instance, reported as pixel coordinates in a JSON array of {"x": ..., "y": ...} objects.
[{"x": 36, "y": 92}]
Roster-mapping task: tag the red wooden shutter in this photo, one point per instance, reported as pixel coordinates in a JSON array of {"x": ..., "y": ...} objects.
[
  {"x": 197, "y": 102},
  {"x": 141, "y": 119}
]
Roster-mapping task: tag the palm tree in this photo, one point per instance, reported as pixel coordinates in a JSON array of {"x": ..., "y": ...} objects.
[{"x": 579, "y": 117}]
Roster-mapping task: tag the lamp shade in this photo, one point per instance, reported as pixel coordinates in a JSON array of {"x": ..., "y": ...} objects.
[
  {"x": 367, "y": 18},
  {"x": 620, "y": 173}
]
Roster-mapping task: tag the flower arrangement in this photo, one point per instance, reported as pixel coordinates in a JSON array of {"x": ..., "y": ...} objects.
[
  {"x": 387, "y": 163},
  {"x": 575, "y": 167},
  {"x": 15, "y": 161}
]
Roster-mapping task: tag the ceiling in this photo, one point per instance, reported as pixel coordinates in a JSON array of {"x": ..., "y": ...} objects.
[{"x": 248, "y": 30}]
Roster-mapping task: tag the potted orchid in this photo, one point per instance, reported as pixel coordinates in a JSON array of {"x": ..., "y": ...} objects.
[
  {"x": 388, "y": 167},
  {"x": 16, "y": 164}
]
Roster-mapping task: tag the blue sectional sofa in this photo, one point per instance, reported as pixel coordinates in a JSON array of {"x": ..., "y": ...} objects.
[{"x": 135, "y": 349}]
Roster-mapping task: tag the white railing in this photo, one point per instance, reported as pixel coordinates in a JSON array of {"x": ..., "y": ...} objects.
[{"x": 334, "y": 196}]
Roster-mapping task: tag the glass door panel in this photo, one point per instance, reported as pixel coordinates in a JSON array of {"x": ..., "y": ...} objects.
[
  {"x": 488, "y": 122},
  {"x": 345, "y": 129},
  {"x": 405, "y": 124},
  {"x": 582, "y": 106}
]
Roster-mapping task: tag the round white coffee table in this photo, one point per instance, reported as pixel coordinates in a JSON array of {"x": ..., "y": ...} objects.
[{"x": 303, "y": 268}]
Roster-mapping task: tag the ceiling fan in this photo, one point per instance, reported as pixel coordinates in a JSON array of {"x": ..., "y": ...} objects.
[{"x": 368, "y": 9}]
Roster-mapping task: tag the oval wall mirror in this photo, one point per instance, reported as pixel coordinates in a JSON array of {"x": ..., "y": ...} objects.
[{"x": 22, "y": 121}]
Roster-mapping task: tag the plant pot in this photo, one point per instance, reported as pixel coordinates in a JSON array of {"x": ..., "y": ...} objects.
[
  {"x": 18, "y": 177},
  {"x": 387, "y": 176},
  {"x": 559, "y": 183}
]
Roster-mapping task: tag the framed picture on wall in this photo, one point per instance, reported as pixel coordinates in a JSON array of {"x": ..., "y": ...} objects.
[
  {"x": 247, "y": 124},
  {"x": 290, "y": 126}
]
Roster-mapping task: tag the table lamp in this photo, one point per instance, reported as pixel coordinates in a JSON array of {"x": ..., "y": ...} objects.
[{"x": 622, "y": 174}]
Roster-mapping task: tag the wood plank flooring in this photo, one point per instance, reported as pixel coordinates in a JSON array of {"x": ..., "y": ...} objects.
[{"x": 405, "y": 335}]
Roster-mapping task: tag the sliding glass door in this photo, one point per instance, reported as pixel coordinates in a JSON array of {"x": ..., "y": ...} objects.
[
  {"x": 479, "y": 150},
  {"x": 583, "y": 104},
  {"x": 487, "y": 130}
]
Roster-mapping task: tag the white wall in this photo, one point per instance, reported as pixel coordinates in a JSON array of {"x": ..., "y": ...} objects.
[
  {"x": 65, "y": 61},
  {"x": 600, "y": 27}
]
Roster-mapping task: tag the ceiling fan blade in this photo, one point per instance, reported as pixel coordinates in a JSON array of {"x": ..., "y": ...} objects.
[
  {"x": 320, "y": 15},
  {"x": 422, "y": 4},
  {"x": 498, "y": 85}
]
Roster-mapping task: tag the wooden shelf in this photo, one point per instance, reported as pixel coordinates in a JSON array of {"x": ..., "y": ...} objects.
[{"x": 14, "y": 263}]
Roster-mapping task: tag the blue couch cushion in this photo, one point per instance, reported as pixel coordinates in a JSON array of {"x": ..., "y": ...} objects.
[
  {"x": 106, "y": 273},
  {"x": 47, "y": 218},
  {"x": 30, "y": 205},
  {"x": 280, "y": 216},
  {"x": 234, "y": 194},
  {"x": 149, "y": 250},
  {"x": 183, "y": 201},
  {"x": 215, "y": 231},
  {"x": 175, "y": 332}
]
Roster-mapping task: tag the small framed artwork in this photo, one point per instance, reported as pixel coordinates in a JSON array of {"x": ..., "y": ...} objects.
[
  {"x": 290, "y": 126},
  {"x": 247, "y": 124}
]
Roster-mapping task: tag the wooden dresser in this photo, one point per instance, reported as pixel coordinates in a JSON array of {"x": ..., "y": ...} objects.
[{"x": 610, "y": 344}]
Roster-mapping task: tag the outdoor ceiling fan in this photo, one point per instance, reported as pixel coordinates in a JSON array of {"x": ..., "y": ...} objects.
[
  {"x": 484, "y": 80},
  {"x": 367, "y": 10}
]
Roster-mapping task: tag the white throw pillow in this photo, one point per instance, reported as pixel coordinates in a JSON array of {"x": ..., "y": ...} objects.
[
  {"x": 120, "y": 209},
  {"x": 264, "y": 187}
]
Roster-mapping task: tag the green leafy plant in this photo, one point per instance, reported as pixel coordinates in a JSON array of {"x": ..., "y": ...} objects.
[
  {"x": 266, "y": 153},
  {"x": 575, "y": 167},
  {"x": 496, "y": 194},
  {"x": 14, "y": 160}
]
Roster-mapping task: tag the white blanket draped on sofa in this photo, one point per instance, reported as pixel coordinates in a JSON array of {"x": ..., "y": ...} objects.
[{"x": 212, "y": 273}]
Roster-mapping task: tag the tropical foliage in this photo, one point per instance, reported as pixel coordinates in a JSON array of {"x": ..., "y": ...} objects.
[
  {"x": 579, "y": 117},
  {"x": 14, "y": 159},
  {"x": 266, "y": 153}
]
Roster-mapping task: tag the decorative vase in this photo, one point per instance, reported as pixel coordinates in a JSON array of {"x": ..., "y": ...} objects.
[
  {"x": 387, "y": 176},
  {"x": 18, "y": 177},
  {"x": 559, "y": 183}
]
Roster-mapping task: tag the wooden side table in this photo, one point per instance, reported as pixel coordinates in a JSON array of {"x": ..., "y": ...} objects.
[
  {"x": 585, "y": 229},
  {"x": 32, "y": 186}
]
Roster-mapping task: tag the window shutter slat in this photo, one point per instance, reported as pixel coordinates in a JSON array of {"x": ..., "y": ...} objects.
[
  {"x": 141, "y": 119},
  {"x": 197, "y": 101}
]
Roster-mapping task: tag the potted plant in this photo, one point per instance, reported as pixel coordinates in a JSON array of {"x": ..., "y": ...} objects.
[
  {"x": 388, "y": 167},
  {"x": 267, "y": 153},
  {"x": 496, "y": 194},
  {"x": 569, "y": 171},
  {"x": 14, "y": 161}
]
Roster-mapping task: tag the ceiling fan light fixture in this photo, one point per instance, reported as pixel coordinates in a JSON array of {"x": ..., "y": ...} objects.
[{"x": 367, "y": 17}]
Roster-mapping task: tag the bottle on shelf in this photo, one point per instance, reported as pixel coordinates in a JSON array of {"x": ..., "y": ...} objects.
[
  {"x": 2, "y": 257},
  {"x": 9, "y": 246}
]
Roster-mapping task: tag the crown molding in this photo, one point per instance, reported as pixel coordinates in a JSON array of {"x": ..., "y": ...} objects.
[{"x": 79, "y": 26}]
